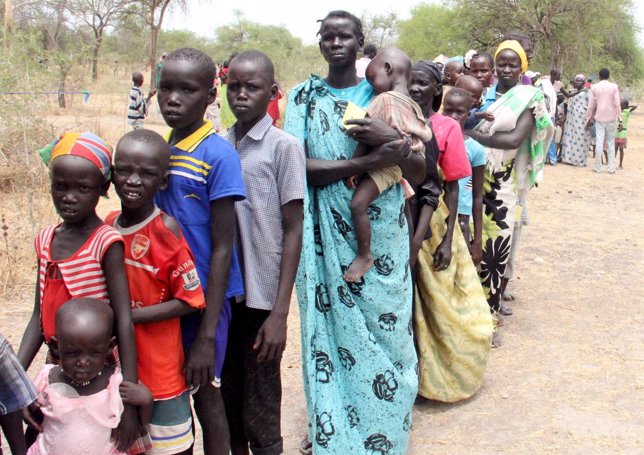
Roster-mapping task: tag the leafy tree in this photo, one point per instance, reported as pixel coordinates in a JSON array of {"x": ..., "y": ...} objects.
[
  {"x": 174, "y": 39},
  {"x": 432, "y": 30},
  {"x": 99, "y": 15},
  {"x": 276, "y": 41},
  {"x": 62, "y": 44},
  {"x": 153, "y": 13},
  {"x": 128, "y": 43},
  {"x": 577, "y": 34},
  {"x": 380, "y": 30}
]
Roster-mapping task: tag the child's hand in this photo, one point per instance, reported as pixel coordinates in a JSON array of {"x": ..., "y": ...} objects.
[
  {"x": 199, "y": 367},
  {"x": 271, "y": 339},
  {"x": 351, "y": 182},
  {"x": 32, "y": 415},
  {"x": 476, "y": 250},
  {"x": 443, "y": 255},
  {"x": 135, "y": 394},
  {"x": 488, "y": 117},
  {"x": 413, "y": 252},
  {"x": 151, "y": 93}
]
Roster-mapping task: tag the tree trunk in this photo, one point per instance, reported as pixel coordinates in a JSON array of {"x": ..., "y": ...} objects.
[
  {"x": 555, "y": 52},
  {"x": 97, "y": 47},
  {"x": 95, "y": 61},
  {"x": 8, "y": 23},
  {"x": 61, "y": 91},
  {"x": 154, "y": 34}
]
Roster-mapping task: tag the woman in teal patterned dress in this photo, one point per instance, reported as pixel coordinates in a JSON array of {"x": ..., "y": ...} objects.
[{"x": 358, "y": 357}]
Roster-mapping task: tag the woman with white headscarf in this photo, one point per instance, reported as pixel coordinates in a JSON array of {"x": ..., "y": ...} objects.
[{"x": 576, "y": 138}]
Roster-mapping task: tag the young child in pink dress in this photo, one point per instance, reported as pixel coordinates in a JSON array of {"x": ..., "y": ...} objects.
[{"x": 80, "y": 398}]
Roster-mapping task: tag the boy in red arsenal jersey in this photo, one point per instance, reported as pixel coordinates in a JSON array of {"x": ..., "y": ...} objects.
[{"x": 163, "y": 283}]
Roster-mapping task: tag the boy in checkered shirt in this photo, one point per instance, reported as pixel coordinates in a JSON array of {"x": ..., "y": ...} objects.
[{"x": 270, "y": 237}]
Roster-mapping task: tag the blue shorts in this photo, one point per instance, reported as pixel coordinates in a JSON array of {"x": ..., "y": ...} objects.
[
  {"x": 190, "y": 327},
  {"x": 170, "y": 427}
]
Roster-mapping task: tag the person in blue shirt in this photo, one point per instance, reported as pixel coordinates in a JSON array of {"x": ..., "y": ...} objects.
[
  {"x": 205, "y": 180},
  {"x": 457, "y": 105},
  {"x": 475, "y": 88}
]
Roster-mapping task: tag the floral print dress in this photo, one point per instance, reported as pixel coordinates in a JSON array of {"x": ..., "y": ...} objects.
[
  {"x": 358, "y": 358},
  {"x": 576, "y": 139},
  {"x": 509, "y": 175}
]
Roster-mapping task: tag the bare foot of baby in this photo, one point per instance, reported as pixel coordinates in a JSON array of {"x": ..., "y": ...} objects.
[{"x": 357, "y": 269}]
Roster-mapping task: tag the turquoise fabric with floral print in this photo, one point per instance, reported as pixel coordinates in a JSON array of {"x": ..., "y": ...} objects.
[{"x": 358, "y": 357}]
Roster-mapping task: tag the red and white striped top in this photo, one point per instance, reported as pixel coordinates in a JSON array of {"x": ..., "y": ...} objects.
[{"x": 82, "y": 272}]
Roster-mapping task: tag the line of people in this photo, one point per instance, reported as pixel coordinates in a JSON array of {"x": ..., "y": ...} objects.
[{"x": 397, "y": 226}]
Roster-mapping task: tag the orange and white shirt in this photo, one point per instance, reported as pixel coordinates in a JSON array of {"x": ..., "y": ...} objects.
[
  {"x": 78, "y": 276},
  {"x": 159, "y": 267}
]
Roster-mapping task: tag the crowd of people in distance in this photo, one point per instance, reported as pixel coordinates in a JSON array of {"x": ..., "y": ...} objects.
[{"x": 393, "y": 201}]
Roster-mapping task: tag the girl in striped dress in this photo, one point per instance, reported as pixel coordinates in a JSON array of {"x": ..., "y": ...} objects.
[{"x": 81, "y": 257}]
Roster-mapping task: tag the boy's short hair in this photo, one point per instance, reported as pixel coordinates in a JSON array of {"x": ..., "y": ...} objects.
[
  {"x": 266, "y": 64},
  {"x": 455, "y": 91},
  {"x": 604, "y": 73},
  {"x": 370, "y": 49},
  {"x": 137, "y": 77},
  {"x": 152, "y": 138},
  {"x": 207, "y": 70}
]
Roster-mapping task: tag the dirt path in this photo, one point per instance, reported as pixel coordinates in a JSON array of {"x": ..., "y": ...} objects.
[{"x": 569, "y": 376}]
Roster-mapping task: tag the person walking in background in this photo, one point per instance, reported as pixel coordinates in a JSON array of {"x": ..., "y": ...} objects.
[
  {"x": 604, "y": 109},
  {"x": 620, "y": 137},
  {"x": 138, "y": 108},
  {"x": 159, "y": 68},
  {"x": 368, "y": 54}
]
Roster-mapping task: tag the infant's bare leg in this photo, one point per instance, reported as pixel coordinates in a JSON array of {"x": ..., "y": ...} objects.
[{"x": 366, "y": 192}]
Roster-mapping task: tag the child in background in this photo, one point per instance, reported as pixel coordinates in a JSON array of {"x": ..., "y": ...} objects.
[
  {"x": 620, "y": 136},
  {"x": 81, "y": 257},
  {"x": 470, "y": 193},
  {"x": 273, "y": 108},
  {"x": 16, "y": 393},
  {"x": 82, "y": 398},
  {"x": 560, "y": 120},
  {"x": 472, "y": 85},
  {"x": 389, "y": 74},
  {"x": 163, "y": 284},
  {"x": 482, "y": 68},
  {"x": 269, "y": 224},
  {"x": 454, "y": 68},
  {"x": 138, "y": 107},
  {"x": 205, "y": 181}
]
